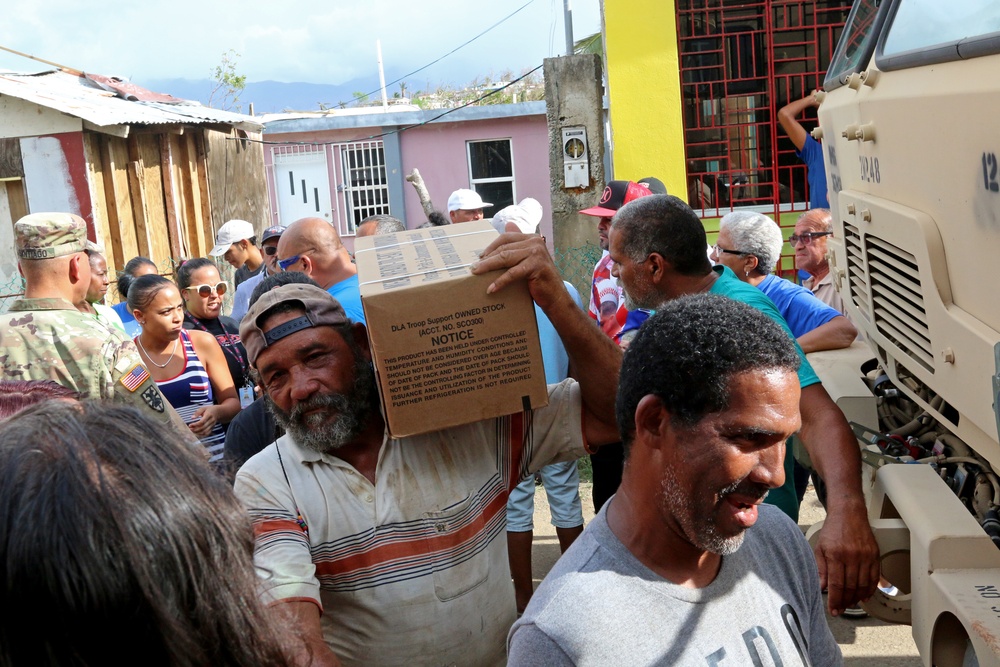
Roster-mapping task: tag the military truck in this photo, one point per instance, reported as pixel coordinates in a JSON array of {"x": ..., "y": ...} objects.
[{"x": 911, "y": 138}]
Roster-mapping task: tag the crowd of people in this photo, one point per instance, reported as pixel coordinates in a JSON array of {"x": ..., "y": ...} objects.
[{"x": 275, "y": 520}]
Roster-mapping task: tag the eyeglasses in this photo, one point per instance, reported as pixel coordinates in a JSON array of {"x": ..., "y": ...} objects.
[
  {"x": 719, "y": 250},
  {"x": 806, "y": 237},
  {"x": 205, "y": 290},
  {"x": 285, "y": 263},
  {"x": 270, "y": 250}
]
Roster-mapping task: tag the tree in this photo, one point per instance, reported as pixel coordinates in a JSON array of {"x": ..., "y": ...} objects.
[
  {"x": 228, "y": 84},
  {"x": 590, "y": 44}
]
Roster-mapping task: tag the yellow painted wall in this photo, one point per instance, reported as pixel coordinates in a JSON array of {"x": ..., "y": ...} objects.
[{"x": 644, "y": 92}]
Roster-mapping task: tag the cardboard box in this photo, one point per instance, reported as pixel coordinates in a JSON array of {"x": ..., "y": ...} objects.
[{"x": 445, "y": 352}]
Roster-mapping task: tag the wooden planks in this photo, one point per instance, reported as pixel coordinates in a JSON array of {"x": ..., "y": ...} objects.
[
  {"x": 153, "y": 195},
  {"x": 17, "y": 200},
  {"x": 147, "y": 148},
  {"x": 204, "y": 192},
  {"x": 11, "y": 165},
  {"x": 237, "y": 175},
  {"x": 121, "y": 220},
  {"x": 186, "y": 170},
  {"x": 95, "y": 170},
  {"x": 171, "y": 198}
]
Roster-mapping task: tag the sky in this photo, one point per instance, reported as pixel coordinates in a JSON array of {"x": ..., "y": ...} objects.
[{"x": 330, "y": 42}]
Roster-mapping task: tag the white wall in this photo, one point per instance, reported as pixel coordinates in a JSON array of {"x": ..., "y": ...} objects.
[
  {"x": 26, "y": 119},
  {"x": 46, "y": 176}
]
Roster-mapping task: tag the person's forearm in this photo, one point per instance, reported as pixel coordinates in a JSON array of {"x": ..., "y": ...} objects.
[
  {"x": 313, "y": 651},
  {"x": 832, "y": 447},
  {"x": 787, "y": 118},
  {"x": 594, "y": 358},
  {"x": 834, "y": 335},
  {"x": 792, "y": 110},
  {"x": 228, "y": 409}
]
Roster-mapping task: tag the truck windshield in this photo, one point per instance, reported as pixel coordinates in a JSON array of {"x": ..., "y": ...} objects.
[
  {"x": 857, "y": 43},
  {"x": 919, "y": 24}
]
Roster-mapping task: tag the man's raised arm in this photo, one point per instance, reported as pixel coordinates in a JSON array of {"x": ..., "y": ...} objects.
[{"x": 594, "y": 357}]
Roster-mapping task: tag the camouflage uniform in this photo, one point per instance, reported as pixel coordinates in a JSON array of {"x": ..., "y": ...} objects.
[{"x": 49, "y": 339}]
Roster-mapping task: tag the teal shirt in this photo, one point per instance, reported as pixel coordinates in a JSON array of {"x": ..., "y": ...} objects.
[
  {"x": 729, "y": 285},
  {"x": 737, "y": 290}
]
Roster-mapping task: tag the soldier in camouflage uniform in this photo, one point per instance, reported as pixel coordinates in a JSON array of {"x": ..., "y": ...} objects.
[{"x": 44, "y": 337}]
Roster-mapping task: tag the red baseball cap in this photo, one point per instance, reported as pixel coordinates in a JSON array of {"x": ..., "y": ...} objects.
[{"x": 617, "y": 194}]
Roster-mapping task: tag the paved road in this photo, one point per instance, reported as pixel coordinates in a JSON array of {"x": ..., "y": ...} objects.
[{"x": 865, "y": 642}]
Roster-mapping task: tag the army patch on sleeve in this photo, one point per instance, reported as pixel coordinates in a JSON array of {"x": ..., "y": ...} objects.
[
  {"x": 153, "y": 398},
  {"x": 135, "y": 377}
]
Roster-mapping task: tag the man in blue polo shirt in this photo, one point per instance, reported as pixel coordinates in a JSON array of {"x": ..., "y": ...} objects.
[
  {"x": 313, "y": 246},
  {"x": 807, "y": 149}
]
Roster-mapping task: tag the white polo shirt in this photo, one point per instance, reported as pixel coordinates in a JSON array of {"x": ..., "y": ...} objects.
[{"x": 413, "y": 569}]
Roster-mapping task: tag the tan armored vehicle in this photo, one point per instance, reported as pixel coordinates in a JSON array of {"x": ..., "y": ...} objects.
[{"x": 911, "y": 138}]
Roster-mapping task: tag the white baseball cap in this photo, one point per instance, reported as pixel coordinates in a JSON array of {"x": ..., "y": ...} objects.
[
  {"x": 466, "y": 200},
  {"x": 230, "y": 233},
  {"x": 525, "y": 215}
]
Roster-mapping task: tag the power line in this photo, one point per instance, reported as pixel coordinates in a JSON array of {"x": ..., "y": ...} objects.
[
  {"x": 396, "y": 131},
  {"x": 442, "y": 115},
  {"x": 434, "y": 62}
]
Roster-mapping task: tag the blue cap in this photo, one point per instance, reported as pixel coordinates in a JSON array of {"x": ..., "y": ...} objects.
[{"x": 271, "y": 232}]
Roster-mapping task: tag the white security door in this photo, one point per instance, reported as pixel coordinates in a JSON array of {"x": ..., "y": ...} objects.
[{"x": 302, "y": 182}]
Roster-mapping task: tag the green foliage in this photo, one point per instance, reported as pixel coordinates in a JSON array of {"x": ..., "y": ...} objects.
[
  {"x": 590, "y": 44},
  {"x": 228, "y": 84}
]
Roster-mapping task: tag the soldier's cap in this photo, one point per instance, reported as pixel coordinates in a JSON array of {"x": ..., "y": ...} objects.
[
  {"x": 50, "y": 235},
  {"x": 320, "y": 308},
  {"x": 616, "y": 194}
]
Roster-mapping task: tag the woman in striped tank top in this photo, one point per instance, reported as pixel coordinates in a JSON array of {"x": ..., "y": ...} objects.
[{"x": 188, "y": 366}]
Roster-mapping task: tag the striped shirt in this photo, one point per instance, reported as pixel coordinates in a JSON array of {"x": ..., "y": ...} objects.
[
  {"x": 413, "y": 569},
  {"x": 191, "y": 389}
]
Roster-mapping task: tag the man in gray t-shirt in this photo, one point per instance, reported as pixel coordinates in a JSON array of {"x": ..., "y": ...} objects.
[{"x": 668, "y": 573}]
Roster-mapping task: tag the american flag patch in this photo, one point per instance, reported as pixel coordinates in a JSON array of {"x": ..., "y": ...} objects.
[{"x": 135, "y": 377}]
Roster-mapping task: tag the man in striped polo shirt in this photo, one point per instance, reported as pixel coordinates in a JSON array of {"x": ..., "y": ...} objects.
[{"x": 386, "y": 551}]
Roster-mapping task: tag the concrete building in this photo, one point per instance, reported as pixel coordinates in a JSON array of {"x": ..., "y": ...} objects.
[
  {"x": 694, "y": 89},
  {"x": 151, "y": 174},
  {"x": 348, "y": 164}
]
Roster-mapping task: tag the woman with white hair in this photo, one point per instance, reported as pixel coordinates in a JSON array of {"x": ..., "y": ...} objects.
[{"x": 750, "y": 243}]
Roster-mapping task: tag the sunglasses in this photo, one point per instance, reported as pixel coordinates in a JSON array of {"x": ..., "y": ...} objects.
[
  {"x": 270, "y": 250},
  {"x": 806, "y": 237},
  {"x": 285, "y": 263},
  {"x": 206, "y": 290}
]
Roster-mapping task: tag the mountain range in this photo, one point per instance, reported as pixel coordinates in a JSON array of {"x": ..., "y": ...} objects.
[{"x": 268, "y": 96}]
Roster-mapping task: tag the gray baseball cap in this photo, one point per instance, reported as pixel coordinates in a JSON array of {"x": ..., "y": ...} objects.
[{"x": 321, "y": 309}]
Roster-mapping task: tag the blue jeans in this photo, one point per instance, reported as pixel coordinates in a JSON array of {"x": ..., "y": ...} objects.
[{"x": 562, "y": 486}]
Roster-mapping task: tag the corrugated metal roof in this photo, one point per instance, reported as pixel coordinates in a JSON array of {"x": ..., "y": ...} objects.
[
  {"x": 79, "y": 97},
  {"x": 375, "y": 117}
]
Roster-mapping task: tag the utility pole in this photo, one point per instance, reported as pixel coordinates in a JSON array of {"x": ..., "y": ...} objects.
[
  {"x": 568, "y": 20},
  {"x": 381, "y": 75}
]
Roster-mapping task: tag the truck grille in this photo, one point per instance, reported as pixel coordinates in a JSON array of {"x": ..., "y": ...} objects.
[
  {"x": 856, "y": 270},
  {"x": 897, "y": 299}
]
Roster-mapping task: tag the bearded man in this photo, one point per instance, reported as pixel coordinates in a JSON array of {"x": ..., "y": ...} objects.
[{"x": 393, "y": 551}]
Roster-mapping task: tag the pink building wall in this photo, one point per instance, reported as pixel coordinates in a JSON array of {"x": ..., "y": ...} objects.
[{"x": 438, "y": 151}]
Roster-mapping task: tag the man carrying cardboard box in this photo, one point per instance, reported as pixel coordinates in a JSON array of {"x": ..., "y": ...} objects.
[{"x": 393, "y": 551}]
